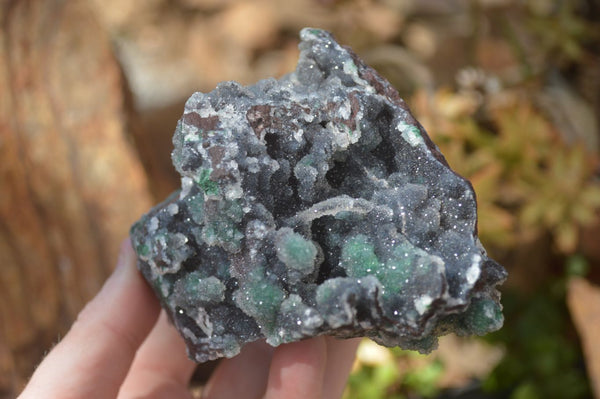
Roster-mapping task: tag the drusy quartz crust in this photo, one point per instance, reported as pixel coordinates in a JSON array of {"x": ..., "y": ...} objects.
[{"x": 315, "y": 204}]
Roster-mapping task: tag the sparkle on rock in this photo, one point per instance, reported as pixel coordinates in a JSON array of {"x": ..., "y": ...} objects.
[{"x": 315, "y": 204}]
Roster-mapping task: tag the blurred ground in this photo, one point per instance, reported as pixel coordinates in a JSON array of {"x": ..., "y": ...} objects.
[{"x": 509, "y": 90}]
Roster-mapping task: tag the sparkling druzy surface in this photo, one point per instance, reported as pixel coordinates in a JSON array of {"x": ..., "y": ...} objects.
[{"x": 315, "y": 204}]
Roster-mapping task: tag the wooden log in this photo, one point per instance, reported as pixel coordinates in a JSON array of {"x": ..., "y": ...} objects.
[{"x": 70, "y": 180}]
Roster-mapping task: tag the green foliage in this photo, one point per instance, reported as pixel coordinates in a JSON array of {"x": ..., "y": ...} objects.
[
  {"x": 577, "y": 266},
  {"x": 388, "y": 380},
  {"x": 541, "y": 360},
  {"x": 424, "y": 381},
  {"x": 373, "y": 382},
  {"x": 560, "y": 32}
]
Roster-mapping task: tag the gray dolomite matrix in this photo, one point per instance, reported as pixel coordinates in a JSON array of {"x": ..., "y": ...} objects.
[{"x": 315, "y": 204}]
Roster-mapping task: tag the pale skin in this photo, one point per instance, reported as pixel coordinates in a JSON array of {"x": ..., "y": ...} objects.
[{"x": 122, "y": 346}]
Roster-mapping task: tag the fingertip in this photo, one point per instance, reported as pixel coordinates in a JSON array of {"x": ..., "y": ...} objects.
[
  {"x": 127, "y": 256},
  {"x": 297, "y": 370},
  {"x": 127, "y": 248},
  {"x": 340, "y": 358},
  {"x": 249, "y": 369}
]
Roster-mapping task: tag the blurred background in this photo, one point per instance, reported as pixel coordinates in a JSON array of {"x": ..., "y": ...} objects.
[{"x": 90, "y": 92}]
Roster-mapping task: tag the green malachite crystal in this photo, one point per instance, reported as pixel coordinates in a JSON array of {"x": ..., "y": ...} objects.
[{"x": 315, "y": 204}]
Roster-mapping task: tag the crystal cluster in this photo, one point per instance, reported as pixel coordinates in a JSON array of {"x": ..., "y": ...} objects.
[{"x": 315, "y": 204}]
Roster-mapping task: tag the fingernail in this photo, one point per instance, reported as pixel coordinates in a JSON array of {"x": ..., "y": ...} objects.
[
  {"x": 126, "y": 256},
  {"x": 124, "y": 263}
]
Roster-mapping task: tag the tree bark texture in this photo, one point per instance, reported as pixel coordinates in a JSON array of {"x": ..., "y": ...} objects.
[{"x": 70, "y": 181}]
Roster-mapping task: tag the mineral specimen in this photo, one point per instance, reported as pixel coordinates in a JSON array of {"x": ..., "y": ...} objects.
[{"x": 315, "y": 204}]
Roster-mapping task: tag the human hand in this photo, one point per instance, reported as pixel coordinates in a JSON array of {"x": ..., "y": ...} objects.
[{"x": 120, "y": 347}]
